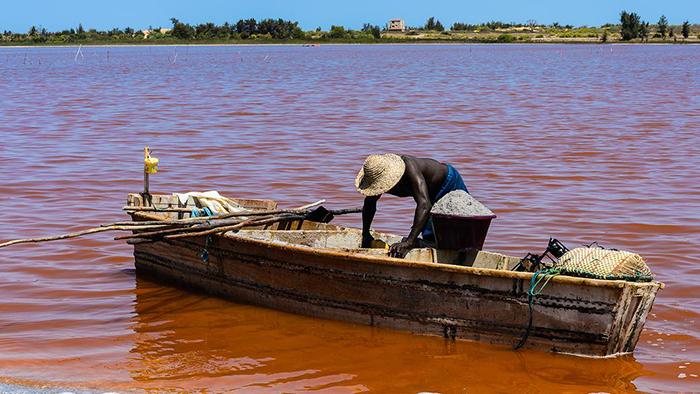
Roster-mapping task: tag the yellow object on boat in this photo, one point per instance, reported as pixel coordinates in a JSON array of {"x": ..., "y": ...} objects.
[
  {"x": 150, "y": 163},
  {"x": 378, "y": 244}
]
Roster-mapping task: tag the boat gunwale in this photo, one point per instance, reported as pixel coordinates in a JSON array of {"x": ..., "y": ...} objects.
[{"x": 396, "y": 262}]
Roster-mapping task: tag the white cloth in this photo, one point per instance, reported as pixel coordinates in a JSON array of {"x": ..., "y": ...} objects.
[{"x": 212, "y": 200}]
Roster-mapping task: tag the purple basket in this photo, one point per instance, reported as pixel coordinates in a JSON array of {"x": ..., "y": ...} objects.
[{"x": 460, "y": 232}]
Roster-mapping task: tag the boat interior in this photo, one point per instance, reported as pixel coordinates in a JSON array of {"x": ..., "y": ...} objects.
[
  {"x": 342, "y": 239},
  {"x": 333, "y": 238}
]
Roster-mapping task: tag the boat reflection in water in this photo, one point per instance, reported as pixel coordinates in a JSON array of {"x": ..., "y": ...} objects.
[{"x": 189, "y": 341}]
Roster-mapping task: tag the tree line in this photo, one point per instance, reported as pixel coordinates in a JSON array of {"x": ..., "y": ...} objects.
[
  {"x": 496, "y": 25},
  {"x": 244, "y": 29},
  {"x": 631, "y": 27}
]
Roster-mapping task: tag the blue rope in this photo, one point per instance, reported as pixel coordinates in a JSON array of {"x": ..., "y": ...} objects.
[
  {"x": 207, "y": 243},
  {"x": 204, "y": 212},
  {"x": 547, "y": 275},
  {"x": 205, "y": 252}
]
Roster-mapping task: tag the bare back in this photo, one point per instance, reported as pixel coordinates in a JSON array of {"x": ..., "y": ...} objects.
[{"x": 431, "y": 171}]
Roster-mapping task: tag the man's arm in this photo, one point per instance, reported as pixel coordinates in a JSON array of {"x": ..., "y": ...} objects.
[
  {"x": 368, "y": 210},
  {"x": 419, "y": 191}
]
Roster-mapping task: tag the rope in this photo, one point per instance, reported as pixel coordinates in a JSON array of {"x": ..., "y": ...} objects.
[
  {"x": 204, "y": 212},
  {"x": 546, "y": 275},
  {"x": 597, "y": 245},
  {"x": 205, "y": 252}
]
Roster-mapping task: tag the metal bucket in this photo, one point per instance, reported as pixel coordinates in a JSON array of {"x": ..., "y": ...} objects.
[{"x": 460, "y": 232}]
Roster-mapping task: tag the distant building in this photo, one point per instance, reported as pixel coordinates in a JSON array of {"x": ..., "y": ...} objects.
[{"x": 396, "y": 25}]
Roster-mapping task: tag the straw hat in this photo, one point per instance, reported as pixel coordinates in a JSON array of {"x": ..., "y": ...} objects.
[{"x": 379, "y": 174}]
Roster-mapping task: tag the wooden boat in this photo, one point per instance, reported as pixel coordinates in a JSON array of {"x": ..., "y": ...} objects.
[{"x": 317, "y": 269}]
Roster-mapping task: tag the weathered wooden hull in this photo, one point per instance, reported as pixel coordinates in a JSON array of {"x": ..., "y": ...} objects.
[{"x": 572, "y": 315}]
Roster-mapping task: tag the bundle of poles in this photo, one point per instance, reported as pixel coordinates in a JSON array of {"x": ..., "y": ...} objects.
[{"x": 168, "y": 229}]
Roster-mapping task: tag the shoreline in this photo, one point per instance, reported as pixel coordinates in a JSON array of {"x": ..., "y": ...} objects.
[{"x": 426, "y": 42}]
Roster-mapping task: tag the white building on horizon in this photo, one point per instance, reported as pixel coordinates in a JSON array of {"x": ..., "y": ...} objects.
[{"x": 396, "y": 25}]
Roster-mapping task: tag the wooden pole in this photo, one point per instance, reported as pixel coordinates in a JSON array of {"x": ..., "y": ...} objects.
[
  {"x": 225, "y": 216},
  {"x": 249, "y": 222},
  {"x": 313, "y": 204},
  {"x": 146, "y": 196},
  {"x": 197, "y": 228},
  {"x": 156, "y": 209},
  {"x": 241, "y": 213},
  {"x": 77, "y": 234},
  {"x": 165, "y": 227}
]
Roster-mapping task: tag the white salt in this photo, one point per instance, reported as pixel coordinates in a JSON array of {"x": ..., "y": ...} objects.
[{"x": 460, "y": 203}]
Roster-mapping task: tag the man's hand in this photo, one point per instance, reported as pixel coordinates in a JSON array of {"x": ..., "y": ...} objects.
[
  {"x": 399, "y": 250},
  {"x": 367, "y": 241}
]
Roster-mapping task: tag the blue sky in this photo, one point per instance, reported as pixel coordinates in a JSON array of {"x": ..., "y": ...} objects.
[{"x": 61, "y": 14}]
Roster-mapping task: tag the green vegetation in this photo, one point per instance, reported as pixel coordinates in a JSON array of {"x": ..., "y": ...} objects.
[
  {"x": 644, "y": 30},
  {"x": 631, "y": 25},
  {"x": 338, "y": 32},
  {"x": 662, "y": 25},
  {"x": 685, "y": 30},
  {"x": 463, "y": 27},
  {"x": 630, "y": 29},
  {"x": 432, "y": 25},
  {"x": 506, "y": 38},
  {"x": 375, "y": 31}
]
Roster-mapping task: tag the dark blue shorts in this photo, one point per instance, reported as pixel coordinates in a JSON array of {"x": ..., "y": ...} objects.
[{"x": 453, "y": 181}]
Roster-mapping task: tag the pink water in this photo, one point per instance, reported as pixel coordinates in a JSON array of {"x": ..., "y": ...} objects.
[{"x": 582, "y": 143}]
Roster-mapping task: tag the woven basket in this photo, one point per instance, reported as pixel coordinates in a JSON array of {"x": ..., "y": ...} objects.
[{"x": 602, "y": 263}]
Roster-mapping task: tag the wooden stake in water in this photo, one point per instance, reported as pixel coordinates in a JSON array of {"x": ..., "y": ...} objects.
[{"x": 79, "y": 52}]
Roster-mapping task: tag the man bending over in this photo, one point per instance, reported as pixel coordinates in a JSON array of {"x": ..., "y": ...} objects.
[{"x": 426, "y": 180}]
